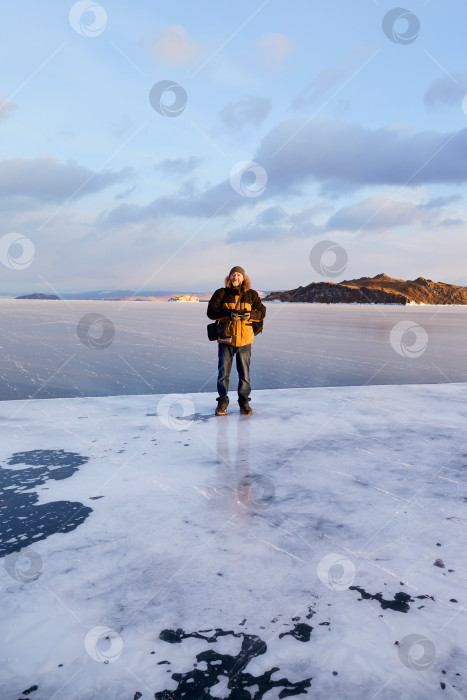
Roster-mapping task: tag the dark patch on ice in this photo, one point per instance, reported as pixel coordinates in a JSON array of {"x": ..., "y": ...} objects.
[
  {"x": 137, "y": 695},
  {"x": 228, "y": 669},
  {"x": 95, "y": 498},
  {"x": 200, "y": 417},
  {"x": 301, "y": 631},
  {"x": 399, "y": 604},
  {"x": 30, "y": 690},
  {"x": 440, "y": 563},
  {"x": 22, "y": 522}
]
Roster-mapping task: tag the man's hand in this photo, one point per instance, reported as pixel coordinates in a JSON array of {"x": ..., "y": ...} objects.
[{"x": 240, "y": 315}]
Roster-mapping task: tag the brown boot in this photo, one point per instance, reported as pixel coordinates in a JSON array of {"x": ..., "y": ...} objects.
[{"x": 221, "y": 409}]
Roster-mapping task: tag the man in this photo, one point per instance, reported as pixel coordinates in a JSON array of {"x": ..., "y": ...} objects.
[{"x": 240, "y": 307}]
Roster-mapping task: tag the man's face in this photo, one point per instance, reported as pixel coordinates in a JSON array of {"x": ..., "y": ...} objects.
[{"x": 236, "y": 278}]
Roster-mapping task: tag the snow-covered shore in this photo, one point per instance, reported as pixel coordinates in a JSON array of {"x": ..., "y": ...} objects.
[{"x": 318, "y": 544}]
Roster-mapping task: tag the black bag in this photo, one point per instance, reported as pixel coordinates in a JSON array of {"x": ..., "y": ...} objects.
[
  {"x": 212, "y": 330},
  {"x": 218, "y": 331},
  {"x": 257, "y": 327}
]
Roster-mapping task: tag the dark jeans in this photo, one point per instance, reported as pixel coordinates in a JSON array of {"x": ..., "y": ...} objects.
[{"x": 242, "y": 356}]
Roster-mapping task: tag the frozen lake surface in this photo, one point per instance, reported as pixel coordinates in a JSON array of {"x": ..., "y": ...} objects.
[
  {"x": 314, "y": 549},
  {"x": 145, "y": 347}
]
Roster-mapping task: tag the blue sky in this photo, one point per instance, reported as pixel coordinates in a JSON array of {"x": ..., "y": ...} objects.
[{"x": 298, "y": 122}]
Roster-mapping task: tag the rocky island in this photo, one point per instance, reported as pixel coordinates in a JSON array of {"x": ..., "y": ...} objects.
[
  {"x": 380, "y": 289},
  {"x": 38, "y": 296}
]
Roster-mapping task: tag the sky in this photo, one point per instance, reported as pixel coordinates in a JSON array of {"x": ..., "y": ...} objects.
[{"x": 154, "y": 146}]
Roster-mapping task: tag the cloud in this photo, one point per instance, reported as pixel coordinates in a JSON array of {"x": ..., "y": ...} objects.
[
  {"x": 380, "y": 213},
  {"x": 340, "y": 157},
  {"x": 6, "y": 107},
  {"x": 275, "y": 224},
  {"x": 371, "y": 214},
  {"x": 452, "y": 222},
  {"x": 344, "y": 157},
  {"x": 448, "y": 91},
  {"x": 175, "y": 46},
  {"x": 126, "y": 193},
  {"x": 47, "y": 180},
  {"x": 220, "y": 200},
  {"x": 178, "y": 167},
  {"x": 438, "y": 202},
  {"x": 274, "y": 49},
  {"x": 249, "y": 110}
]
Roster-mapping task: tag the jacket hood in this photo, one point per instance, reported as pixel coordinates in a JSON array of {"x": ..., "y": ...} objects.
[{"x": 245, "y": 286}]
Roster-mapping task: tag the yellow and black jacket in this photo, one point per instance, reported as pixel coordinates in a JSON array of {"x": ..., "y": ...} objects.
[{"x": 224, "y": 301}]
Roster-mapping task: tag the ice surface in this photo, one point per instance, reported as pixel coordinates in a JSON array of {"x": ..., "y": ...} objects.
[
  {"x": 163, "y": 347},
  {"x": 317, "y": 545}
]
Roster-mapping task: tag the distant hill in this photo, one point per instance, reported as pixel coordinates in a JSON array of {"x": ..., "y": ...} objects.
[
  {"x": 38, "y": 296},
  {"x": 380, "y": 289}
]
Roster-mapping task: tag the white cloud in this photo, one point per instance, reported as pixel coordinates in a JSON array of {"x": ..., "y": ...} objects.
[
  {"x": 340, "y": 158},
  {"x": 274, "y": 49},
  {"x": 178, "y": 167},
  {"x": 175, "y": 46},
  {"x": 47, "y": 180},
  {"x": 380, "y": 213}
]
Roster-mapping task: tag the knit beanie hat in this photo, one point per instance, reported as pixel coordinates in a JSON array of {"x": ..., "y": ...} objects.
[{"x": 238, "y": 269}]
